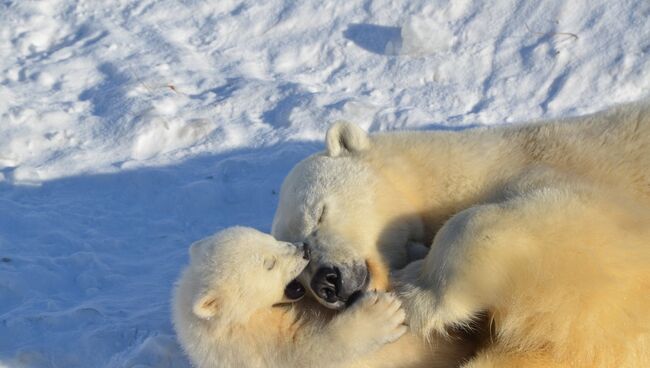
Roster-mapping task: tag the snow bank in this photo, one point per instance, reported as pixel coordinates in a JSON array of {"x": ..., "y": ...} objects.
[{"x": 89, "y": 86}]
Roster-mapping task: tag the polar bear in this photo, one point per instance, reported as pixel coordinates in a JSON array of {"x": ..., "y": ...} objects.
[
  {"x": 236, "y": 306},
  {"x": 362, "y": 201},
  {"x": 231, "y": 308},
  {"x": 563, "y": 272}
]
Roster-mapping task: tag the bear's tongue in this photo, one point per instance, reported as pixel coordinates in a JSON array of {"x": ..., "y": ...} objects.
[{"x": 294, "y": 290}]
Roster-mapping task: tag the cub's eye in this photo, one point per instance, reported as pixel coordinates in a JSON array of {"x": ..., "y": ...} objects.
[
  {"x": 322, "y": 214},
  {"x": 269, "y": 263}
]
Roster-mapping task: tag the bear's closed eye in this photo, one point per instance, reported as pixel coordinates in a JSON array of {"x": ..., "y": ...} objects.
[{"x": 322, "y": 214}]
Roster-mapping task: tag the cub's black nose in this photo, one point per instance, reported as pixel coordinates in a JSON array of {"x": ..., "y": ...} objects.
[
  {"x": 294, "y": 290},
  {"x": 306, "y": 251},
  {"x": 326, "y": 283}
]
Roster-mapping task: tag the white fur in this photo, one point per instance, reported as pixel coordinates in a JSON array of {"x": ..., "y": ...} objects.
[
  {"x": 499, "y": 182},
  {"x": 563, "y": 271},
  {"x": 345, "y": 137},
  {"x": 226, "y": 312}
]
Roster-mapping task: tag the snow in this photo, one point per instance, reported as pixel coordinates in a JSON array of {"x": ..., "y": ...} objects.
[{"x": 129, "y": 129}]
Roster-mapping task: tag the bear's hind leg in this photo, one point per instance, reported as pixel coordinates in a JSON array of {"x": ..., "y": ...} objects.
[{"x": 497, "y": 358}]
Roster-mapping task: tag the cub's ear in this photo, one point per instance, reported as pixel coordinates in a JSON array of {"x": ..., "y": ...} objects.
[
  {"x": 206, "y": 306},
  {"x": 195, "y": 250},
  {"x": 344, "y": 137},
  {"x": 199, "y": 247}
]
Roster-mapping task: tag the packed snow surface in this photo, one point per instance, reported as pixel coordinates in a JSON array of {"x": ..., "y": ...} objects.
[{"x": 129, "y": 129}]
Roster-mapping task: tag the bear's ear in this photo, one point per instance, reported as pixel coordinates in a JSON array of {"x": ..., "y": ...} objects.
[
  {"x": 345, "y": 137},
  {"x": 206, "y": 306}
]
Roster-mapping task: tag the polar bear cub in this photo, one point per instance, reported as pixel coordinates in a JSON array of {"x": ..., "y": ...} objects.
[{"x": 234, "y": 307}]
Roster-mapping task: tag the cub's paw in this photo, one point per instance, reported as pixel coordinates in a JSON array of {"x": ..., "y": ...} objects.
[{"x": 374, "y": 320}]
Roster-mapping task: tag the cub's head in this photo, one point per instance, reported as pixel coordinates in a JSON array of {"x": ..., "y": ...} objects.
[
  {"x": 340, "y": 203},
  {"x": 240, "y": 270}
]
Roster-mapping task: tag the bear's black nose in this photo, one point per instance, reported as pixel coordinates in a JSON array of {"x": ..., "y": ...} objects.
[{"x": 326, "y": 283}]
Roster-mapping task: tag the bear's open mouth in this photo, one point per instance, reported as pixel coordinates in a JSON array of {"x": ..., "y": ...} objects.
[{"x": 294, "y": 290}]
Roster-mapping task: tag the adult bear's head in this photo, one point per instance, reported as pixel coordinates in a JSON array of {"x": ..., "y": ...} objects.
[{"x": 346, "y": 204}]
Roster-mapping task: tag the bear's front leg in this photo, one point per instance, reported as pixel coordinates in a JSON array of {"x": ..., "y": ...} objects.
[{"x": 468, "y": 262}]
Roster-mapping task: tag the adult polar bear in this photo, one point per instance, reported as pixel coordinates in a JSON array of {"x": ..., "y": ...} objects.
[{"x": 585, "y": 180}]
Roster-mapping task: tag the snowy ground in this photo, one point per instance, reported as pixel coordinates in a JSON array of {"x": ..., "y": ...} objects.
[{"x": 129, "y": 129}]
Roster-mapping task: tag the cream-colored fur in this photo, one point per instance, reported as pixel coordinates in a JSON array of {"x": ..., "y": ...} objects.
[
  {"x": 545, "y": 226},
  {"x": 229, "y": 311},
  {"x": 563, "y": 272}
]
